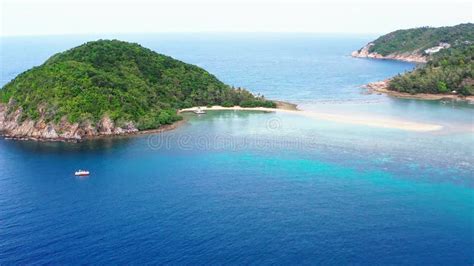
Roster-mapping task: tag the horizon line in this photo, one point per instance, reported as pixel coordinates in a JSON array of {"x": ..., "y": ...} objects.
[
  {"x": 188, "y": 32},
  {"x": 219, "y": 32}
]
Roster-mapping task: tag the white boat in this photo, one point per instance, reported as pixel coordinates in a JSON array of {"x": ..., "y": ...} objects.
[
  {"x": 199, "y": 111},
  {"x": 82, "y": 173}
]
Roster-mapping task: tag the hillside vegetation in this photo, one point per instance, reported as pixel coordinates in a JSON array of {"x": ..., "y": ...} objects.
[
  {"x": 449, "y": 70},
  {"x": 124, "y": 81},
  {"x": 449, "y": 64},
  {"x": 419, "y": 39}
]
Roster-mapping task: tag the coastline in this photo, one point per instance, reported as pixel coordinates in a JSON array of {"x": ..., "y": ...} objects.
[
  {"x": 347, "y": 119},
  {"x": 411, "y": 57},
  {"x": 280, "y": 104},
  {"x": 397, "y": 57},
  {"x": 382, "y": 87},
  {"x": 282, "y": 107},
  {"x": 161, "y": 129},
  {"x": 405, "y": 57}
]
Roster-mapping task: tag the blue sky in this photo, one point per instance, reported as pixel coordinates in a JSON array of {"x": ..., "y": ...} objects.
[{"x": 47, "y": 17}]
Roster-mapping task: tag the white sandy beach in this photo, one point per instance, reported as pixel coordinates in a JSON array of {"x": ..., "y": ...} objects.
[{"x": 349, "y": 119}]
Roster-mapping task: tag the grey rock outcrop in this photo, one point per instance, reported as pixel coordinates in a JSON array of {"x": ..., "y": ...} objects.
[
  {"x": 414, "y": 57},
  {"x": 12, "y": 126}
]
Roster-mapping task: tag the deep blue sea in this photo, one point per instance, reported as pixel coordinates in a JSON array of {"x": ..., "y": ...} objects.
[{"x": 235, "y": 187}]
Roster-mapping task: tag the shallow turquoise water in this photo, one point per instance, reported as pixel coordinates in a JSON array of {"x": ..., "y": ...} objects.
[{"x": 248, "y": 187}]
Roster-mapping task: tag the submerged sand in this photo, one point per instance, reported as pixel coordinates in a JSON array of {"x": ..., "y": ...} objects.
[{"x": 348, "y": 119}]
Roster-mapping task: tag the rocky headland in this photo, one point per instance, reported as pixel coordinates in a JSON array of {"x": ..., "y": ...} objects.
[{"x": 413, "y": 57}]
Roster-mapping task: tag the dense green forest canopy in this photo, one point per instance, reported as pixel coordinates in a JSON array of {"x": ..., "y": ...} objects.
[
  {"x": 123, "y": 80},
  {"x": 448, "y": 70},
  {"x": 419, "y": 39}
]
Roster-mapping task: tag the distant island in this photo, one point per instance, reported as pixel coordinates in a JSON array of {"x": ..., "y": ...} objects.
[
  {"x": 447, "y": 54},
  {"x": 109, "y": 87}
]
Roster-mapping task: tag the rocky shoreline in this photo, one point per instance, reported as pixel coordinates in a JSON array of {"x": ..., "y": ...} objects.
[
  {"x": 13, "y": 127},
  {"x": 412, "y": 57},
  {"x": 161, "y": 129},
  {"x": 382, "y": 87},
  {"x": 406, "y": 57}
]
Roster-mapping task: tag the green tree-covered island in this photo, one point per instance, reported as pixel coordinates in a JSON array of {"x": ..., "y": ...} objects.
[
  {"x": 109, "y": 87},
  {"x": 446, "y": 55}
]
